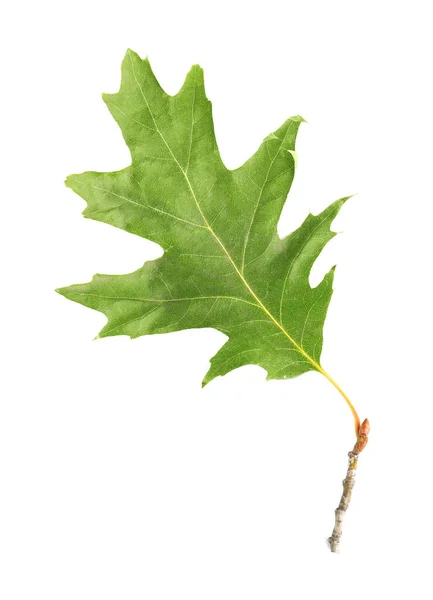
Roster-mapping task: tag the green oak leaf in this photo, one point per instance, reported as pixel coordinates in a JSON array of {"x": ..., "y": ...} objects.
[{"x": 224, "y": 265}]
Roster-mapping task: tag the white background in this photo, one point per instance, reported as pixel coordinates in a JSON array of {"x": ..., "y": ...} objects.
[{"x": 120, "y": 478}]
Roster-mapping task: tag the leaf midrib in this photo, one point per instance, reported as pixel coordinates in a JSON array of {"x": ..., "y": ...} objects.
[
  {"x": 298, "y": 347},
  {"x": 208, "y": 226}
]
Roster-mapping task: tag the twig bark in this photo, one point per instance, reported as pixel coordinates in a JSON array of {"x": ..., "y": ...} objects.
[{"x": 348, "y": 483}]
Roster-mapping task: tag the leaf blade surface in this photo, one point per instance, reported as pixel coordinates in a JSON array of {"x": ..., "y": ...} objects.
[{"x": 224, "y": 265}]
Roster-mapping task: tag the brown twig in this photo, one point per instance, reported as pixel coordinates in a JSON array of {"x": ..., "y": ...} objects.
[{"x": 348, "y": 483}]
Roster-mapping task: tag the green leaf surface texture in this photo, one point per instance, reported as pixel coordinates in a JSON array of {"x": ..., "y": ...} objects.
[{"x": 224, "y": 265}]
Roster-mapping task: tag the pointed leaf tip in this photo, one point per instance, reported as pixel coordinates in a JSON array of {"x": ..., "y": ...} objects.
[
  {"x": 194, "y": 77},
  {"x": 131, "y": 52},
  {"x": 70, "y": 181}
]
